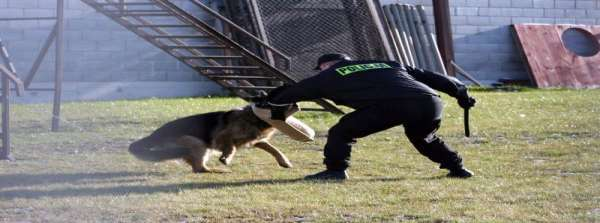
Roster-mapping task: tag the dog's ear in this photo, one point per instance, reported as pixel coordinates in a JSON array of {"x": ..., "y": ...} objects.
[
  {"x": 260, "y": 99},
  {"x": 231, "y": 114},
  {"x": 225, "y": 117}
]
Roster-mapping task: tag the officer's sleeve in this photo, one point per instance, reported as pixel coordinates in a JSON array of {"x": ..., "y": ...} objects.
[
  {"x": 307, "y": 89},
  {"x": 438, "y": 81}
]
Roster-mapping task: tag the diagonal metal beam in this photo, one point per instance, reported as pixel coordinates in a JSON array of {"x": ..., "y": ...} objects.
[
  {"x": 13, "y": 77},
  {"x": 40, "y": 57}
]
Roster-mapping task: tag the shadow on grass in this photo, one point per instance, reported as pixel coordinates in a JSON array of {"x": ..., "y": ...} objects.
[
  {"x": 15, "y": 180},
  {"x": 145, "y": 189}
]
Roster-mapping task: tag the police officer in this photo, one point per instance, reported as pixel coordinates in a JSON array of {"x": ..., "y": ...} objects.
[{"x": 384, "y": 94}]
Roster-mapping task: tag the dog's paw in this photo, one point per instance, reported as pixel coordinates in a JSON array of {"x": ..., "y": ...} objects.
[
  {"x": 286, "y": 164},
  {"x": 211, "y": 170},
  {"x": 199, "y": 170},
  {"x": 225, "y": 160},
  {"x": 220, "y": 171}
]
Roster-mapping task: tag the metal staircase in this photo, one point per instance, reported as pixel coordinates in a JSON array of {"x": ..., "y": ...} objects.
[{"x": 200, "y": 37}]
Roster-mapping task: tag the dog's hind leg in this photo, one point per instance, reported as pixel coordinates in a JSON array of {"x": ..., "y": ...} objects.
[
  {"x": 199, "y": 154},
  {"x": 282, "y": 160},
  {"x": 145, "y": 149}
]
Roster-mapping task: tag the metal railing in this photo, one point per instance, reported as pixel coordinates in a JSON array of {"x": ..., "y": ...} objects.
[
  {"x": 273, "y": 56},
  {"x": 271, "y": 51},
  {"x": 203, "y": 39},
  {"x": 8, "y": 73}
]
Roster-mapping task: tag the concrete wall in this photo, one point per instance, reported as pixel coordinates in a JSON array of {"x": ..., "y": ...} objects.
[
  {"x": 483, "y": 40},
  {"x": 103, "y": 61}
]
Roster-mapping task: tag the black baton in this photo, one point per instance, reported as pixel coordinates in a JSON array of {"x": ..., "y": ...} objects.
[{"x": 466, "y": 120}]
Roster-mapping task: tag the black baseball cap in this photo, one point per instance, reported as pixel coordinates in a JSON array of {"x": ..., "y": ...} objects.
[{"x": 331, "y": 57}]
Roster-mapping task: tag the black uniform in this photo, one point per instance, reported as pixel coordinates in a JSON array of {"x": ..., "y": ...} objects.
[{"x": 385, "y": 94}]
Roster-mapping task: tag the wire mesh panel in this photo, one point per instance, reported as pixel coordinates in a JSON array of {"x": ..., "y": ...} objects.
[{"x": 306, "y": 29}]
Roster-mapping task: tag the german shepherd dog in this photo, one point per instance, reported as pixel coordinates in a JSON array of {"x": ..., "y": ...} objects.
[{"x": 194, "y": 138}]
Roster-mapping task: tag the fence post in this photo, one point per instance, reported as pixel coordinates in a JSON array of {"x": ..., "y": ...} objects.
[{"x": 59, "y": 65}]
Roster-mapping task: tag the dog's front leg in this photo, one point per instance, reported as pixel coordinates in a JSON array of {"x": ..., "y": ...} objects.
[
  {"x": 282, "y": 160},
  {"x": 229, "y": 151},
  {"x": 199, "y": 154},
  {"x": 224, "y": 143}
]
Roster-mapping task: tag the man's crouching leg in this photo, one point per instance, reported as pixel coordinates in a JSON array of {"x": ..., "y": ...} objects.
[
  {"x": 430, "y": 145},
  {"x": 337, "y": 155}
]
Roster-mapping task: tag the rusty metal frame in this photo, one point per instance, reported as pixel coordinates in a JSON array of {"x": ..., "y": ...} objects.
[
  {"x": 8, "y": 73},
  {"x": 443, "y": 30}
]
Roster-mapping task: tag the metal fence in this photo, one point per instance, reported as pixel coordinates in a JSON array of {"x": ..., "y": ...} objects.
[{"x": 306, "y": 29}]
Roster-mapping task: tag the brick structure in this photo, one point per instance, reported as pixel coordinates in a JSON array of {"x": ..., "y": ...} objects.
[{"x": 103, "y": 61}]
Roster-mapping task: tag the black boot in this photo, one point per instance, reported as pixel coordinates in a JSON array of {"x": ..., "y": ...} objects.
[
  {"x": 328, "y": 175},
  {"x": 460, "y": 173}
]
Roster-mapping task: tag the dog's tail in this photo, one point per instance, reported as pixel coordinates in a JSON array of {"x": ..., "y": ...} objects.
[{"x": 145, "y": 150}]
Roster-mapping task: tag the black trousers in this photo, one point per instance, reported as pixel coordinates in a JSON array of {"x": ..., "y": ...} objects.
[{"x": 421, "y": 117}]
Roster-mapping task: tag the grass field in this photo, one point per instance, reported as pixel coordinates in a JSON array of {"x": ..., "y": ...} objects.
[{"x": 536, "y": 155}]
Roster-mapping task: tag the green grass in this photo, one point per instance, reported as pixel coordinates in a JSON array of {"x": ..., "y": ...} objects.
[{"x": 535, "y": 154}]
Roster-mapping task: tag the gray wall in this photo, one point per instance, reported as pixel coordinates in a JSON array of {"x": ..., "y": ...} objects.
[
  {"x": 103, "y": 61},
  {"x": 483, "y": 40}
]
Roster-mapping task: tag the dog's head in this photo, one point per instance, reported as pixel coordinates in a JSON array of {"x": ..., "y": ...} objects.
[{"x": 260, "y": 100}]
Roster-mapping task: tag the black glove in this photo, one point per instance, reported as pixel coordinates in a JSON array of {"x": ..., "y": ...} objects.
[
  {"x": 260, "y": 100},
  {"x": 464, "y": 100},
  {"x": 467, "y": 102},
  {"x": 273, "y": 93},
  {"x": 278, "y": 111}
]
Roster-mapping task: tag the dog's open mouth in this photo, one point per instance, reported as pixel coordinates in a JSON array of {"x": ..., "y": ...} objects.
[{"x": 291, "y": 126}]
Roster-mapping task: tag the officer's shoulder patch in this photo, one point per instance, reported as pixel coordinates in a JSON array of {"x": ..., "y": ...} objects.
[{"x": 361, "y": 67}]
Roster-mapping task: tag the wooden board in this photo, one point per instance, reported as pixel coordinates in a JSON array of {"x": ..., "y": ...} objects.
[{"x": 550, "y": 63}]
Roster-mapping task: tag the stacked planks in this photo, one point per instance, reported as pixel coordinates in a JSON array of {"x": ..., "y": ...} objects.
[{"x": 413, "y": 41}]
